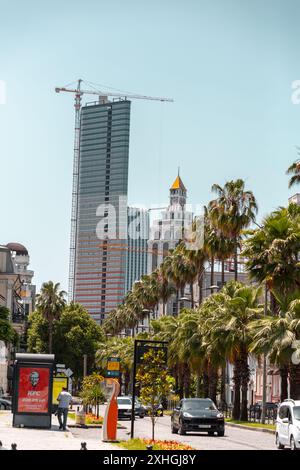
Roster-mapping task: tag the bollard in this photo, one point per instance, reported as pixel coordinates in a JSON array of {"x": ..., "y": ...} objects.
[
  {"x": 83, "y": 446},
  {"x": 149, "y": 447},
  {"x": 14, "y": 446}
]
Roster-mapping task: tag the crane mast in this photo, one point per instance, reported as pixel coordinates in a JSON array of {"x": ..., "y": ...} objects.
[{"x": 78, "y": 93}]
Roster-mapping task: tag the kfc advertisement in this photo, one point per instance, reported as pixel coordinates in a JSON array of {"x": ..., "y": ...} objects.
[{"x": 33, "y": 394}]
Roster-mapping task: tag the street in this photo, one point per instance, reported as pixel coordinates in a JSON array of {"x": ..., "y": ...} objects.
[{"x": 234, "y": 439}]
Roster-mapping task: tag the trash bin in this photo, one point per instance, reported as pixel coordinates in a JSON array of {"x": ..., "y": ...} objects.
[{"x": 80, "y": 417}]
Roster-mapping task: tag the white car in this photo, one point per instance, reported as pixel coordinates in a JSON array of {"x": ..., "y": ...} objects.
[{"x": 288, "y": 424}]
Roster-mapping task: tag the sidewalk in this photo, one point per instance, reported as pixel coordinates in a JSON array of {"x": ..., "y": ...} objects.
[{"x": 44, "y": 439}]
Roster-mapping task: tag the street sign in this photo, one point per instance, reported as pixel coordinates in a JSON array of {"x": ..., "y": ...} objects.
[
  {"x": 60, "y": 366},
  {"x": 68, "y": 372},
  {"x": 113, "y": 367}
]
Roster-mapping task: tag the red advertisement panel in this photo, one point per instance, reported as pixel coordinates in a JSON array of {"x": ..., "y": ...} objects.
[{"x": 33, "y": 390}]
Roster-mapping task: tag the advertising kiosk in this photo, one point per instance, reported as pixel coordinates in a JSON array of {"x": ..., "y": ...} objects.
[{"x": 32, "y": 390}]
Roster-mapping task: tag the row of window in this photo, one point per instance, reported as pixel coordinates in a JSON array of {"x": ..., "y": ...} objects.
[
  {"x": 96, "y": 155},
  {"x": 102, "y": 130},
  {"x": 114, "y": 169},
  {"x": 96, "y": 146}
]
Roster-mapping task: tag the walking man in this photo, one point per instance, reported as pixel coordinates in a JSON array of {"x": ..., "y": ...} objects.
[{"x": 64, "y": 399}]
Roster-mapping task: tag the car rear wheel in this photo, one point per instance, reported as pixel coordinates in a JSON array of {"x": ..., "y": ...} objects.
[
  {"x": 278, "y": 443},
  {"x": 221, "y": 433}
]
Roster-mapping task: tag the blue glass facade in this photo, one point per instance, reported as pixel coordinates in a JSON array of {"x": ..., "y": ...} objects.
[{"x": 101, "y": 239}]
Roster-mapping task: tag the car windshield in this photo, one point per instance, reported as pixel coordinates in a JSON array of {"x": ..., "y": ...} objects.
[
  {"x": 124, "y": 401},
  {"x": 297, "y": 412},
  {"x": 198, "y": 405}
]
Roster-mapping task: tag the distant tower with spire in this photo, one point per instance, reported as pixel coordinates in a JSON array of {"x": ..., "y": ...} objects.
[
  {"x": 167, "y": 231},
  {"x": 178, "y": 193}
]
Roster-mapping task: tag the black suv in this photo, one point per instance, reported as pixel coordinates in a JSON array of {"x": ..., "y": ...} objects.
[{"x": 197, "y": 414}]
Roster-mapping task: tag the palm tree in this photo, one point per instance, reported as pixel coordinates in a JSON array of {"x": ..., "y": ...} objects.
[
  {"x": 166, "y": 329},
  {"x": 232, "y": 211},
  {"x": 272, "y": 251},
  {"x": 176, "y": 269},
  {"x": 275, "y": 336},
  {"x": 228, "y": 332},
  {"x": 188, "y": 341},
  {"x": 51, "y": 302},
  {"x": 294, "y": 170},
  {"x": 198, "y": 258},
  {"x": 211, "y": 241},
  {"x": 165, "y": 289}
]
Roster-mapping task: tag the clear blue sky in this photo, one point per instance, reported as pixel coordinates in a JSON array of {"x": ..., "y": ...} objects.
[{"x": 228, "y": 64}]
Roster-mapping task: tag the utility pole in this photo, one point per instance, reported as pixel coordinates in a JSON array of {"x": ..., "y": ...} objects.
[{"x": 264, "y": 391}]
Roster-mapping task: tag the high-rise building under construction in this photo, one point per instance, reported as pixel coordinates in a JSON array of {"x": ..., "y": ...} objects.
[{"x": 101, "y": 225}]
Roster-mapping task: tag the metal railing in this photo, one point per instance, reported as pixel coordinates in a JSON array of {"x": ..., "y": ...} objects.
[{"x": 254, "y": 412}]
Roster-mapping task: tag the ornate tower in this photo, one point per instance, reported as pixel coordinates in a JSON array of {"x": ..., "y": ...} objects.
[{"x": 178, "y": 194}]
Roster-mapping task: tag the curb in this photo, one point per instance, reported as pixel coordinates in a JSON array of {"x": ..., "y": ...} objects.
[
  {"x": 90, "y": 426},
  {"x": 250, "y": 428}
]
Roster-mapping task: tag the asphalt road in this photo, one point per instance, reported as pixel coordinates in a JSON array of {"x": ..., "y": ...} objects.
[{"x": 234, "y": 439}]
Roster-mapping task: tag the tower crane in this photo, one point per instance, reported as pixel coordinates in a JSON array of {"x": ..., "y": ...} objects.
[{"x": 103, "y": 97}]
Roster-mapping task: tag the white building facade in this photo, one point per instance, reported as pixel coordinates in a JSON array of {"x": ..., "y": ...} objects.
[{"x": 166, "y": 232}]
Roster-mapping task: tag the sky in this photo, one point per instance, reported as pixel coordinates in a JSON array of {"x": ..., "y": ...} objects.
[{"x": 229, "y": 65}]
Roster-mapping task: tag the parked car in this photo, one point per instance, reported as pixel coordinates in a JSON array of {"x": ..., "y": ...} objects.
[
  {"x": 197, "y": 414},
  {"x": 5, "y": 404},
  {"x": 139, "y": 409},
  {"x": 159, "y": 410},
  {"x": 256, "y": 409},
  {"x": 288, "y": 425},
  {"x": 125, "y": 407}
]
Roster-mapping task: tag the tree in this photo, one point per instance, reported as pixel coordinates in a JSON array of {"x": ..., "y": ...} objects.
[
  {"x": 164, "y": 288},
  {"x": 294, "y": 170},
  {"x": 188, "y": 342},
  {"x": 50, "y": 302},
  {"x": 272, "y": 251},
  {"x": 153, "y": 382},
  {"x": 232, "y": 211},
  {"x": 277, "y": 336},
  {"x": 37, "y": 333},
  {"x": 75, "y": 333},
  {"x": 92, "y": 393},
  {"x": 7, "y": 333},
  {"x": 167, "y": 329},
  {"x": 228, "y": 332}
]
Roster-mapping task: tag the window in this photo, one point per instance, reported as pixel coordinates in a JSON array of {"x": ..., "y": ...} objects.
[
  {"x": 283, "y": 412},
  {"x": 296, "y": 411}
]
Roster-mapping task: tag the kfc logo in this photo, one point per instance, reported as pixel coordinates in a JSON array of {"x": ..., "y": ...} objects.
[{"x": 34, "y": 378}]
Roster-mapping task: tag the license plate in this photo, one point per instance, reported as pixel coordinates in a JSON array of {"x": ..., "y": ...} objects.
[{"x": 204, "y": 426}]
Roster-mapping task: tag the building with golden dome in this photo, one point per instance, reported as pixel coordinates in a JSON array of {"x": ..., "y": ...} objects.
[{"x": 166, "y": 232}]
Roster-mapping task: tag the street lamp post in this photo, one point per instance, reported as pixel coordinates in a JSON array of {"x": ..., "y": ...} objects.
[
  {"x": 211, "y": 288},
  {"x": 264, "y": 391}
]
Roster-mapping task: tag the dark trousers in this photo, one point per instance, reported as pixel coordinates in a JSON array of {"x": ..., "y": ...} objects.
[{"x": 64, "y": 412}]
